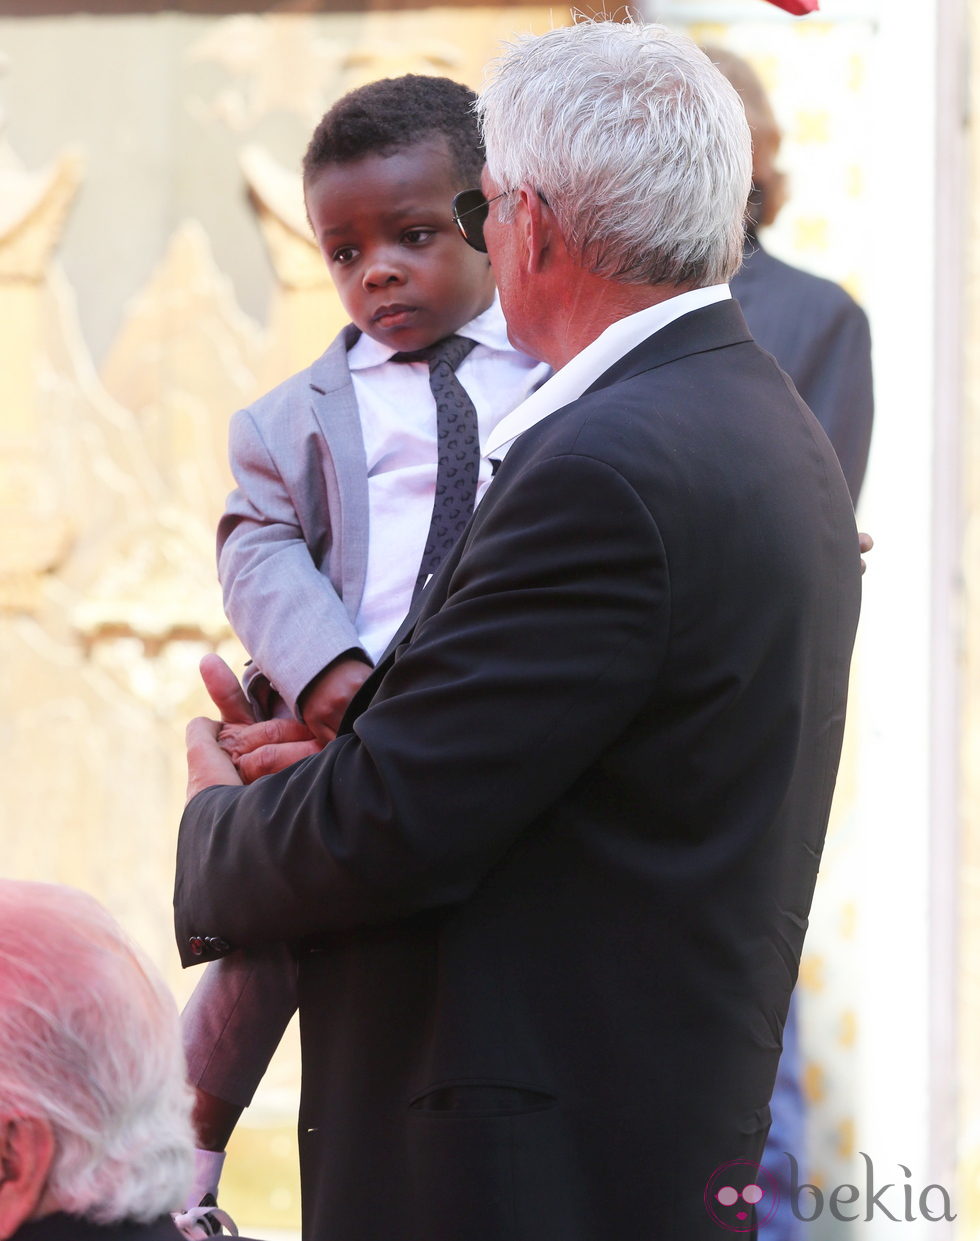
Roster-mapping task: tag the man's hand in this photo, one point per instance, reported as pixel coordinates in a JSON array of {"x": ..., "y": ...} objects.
[
  {"x": 324, "y": 701},
  {"x": 865, "y": 544},
  {"x": 254, "y": 748},
  {"x": 207, "y": 762},
  {"x": 225, "y": 691},
  {"x": 267, "y": 747}
]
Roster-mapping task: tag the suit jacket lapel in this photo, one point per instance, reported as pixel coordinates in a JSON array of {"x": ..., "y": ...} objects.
[{"x": 335, "y": 409}]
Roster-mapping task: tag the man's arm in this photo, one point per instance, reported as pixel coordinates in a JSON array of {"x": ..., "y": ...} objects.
[
  {"x": 837, "y": 385},
  {"x": 550, "y": 640}
]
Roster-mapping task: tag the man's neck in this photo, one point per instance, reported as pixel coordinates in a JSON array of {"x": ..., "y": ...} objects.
[{"x": 591, "y": 304}]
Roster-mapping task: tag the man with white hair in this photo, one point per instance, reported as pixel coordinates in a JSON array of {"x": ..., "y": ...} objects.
[
  {"x": 95, "y": 1136},
  {"x": 548, "y": 889}
]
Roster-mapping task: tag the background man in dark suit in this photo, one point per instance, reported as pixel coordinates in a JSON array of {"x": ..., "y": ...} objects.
[
  {"x": 95, "y": 1133},
  {"x": 820, "y": 336},
  {"x": 813, "y": 328},
  {"x": 549, "y": 888}
]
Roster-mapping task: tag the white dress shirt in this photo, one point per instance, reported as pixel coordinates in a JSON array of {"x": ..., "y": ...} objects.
[
  {"x": 398, "y": 422},
  {"x": 585, "y": 368}
]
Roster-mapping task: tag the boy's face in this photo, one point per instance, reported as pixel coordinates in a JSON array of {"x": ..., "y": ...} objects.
[{"x": 384, "y": 226}]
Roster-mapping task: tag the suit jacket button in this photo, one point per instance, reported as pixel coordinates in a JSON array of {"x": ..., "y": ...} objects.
[
  {"x": 196, "y": 945},
  {"x": 218, "y": 945}
]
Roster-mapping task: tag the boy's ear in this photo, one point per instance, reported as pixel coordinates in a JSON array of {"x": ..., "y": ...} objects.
[{"x": 26, "y": 1155}]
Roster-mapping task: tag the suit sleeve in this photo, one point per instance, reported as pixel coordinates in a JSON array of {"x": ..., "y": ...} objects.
[
  {"x": 549, "y": 641},
  {"x": 282, "y": 606},
  {"x": 837, "y": 385}
]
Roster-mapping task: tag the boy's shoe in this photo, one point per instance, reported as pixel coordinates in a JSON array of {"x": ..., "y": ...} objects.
[{"x": 206, "y": 1220}]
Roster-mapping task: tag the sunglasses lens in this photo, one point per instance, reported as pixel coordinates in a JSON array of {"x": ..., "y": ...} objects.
[{"x": 470, "y": 209}]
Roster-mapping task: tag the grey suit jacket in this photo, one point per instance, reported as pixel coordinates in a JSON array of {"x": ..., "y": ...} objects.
[{"x": 293, "y": 539}]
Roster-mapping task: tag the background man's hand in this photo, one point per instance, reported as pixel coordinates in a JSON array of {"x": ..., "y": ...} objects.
[
  {"x": 865, "y": 544},
  {"x": 324, "y": 701}
]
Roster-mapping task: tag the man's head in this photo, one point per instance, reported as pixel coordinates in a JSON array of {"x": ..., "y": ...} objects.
[
  {"x": 638, "y": 145},
  {"x": 379, "y": 177},
  {"x": 94, "y": 1105},
  {"x": 768, "y": 183}
]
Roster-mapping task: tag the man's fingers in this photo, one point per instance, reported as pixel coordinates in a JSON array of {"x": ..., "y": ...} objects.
[
  {"x": 226, "y": 693},
  {"x": 241, "y": 739},
  {"x": 201, "y": 732},
  {"x": 207, "y": 763},
  {"x": 269, "y": 759}
]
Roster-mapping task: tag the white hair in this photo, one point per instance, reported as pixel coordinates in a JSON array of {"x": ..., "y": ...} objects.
[
  {"x": 89, "y": 1042},
  {"x": 635, "y": 140}
]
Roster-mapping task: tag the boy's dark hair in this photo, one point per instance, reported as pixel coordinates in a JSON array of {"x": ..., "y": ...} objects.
[{"x": 394, "y": 113}]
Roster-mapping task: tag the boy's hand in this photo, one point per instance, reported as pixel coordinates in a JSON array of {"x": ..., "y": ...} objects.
[{"x": 324, "y": 701}]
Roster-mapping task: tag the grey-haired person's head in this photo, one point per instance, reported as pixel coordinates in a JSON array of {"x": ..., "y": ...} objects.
[
  {"x": 95, "y": 1110},
  {"x": 635, "y": 140}
]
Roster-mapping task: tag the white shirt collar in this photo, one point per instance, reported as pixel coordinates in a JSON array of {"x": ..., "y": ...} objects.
[
  {"x": 487, "y": 329},
  {"x": 585, "y": 368}
]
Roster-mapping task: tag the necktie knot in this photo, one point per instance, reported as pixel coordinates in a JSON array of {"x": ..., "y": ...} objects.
[{"x": 451, "y": 349}]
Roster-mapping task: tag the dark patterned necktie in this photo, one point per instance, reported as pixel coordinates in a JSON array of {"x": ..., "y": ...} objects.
[{"x": 458, "y": 433}]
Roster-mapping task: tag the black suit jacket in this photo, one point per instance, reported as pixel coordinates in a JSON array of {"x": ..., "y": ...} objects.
[
  {"x": 63, "y": 1227},
  {"x": 551, "y": 888}
]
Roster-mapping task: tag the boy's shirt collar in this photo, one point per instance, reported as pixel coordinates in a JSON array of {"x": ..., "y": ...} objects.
[{"x": 488, "y": 328}]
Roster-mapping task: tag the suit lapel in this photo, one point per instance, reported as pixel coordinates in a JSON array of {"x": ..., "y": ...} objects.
[{"x": 335, "y": 410}]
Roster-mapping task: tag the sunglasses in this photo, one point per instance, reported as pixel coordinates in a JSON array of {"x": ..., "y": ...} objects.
[{"x": 470, "y": 211}]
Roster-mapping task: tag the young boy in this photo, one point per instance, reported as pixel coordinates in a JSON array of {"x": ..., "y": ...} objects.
[{"x": 333, "y": 525}]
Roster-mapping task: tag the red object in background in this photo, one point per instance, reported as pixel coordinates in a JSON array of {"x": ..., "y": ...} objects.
[{"x": 798, "y": 7}]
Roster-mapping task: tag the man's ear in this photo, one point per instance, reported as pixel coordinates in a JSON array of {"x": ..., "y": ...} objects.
[
  {"x": 26, "y": 1155},
  {"x": 537, "y": 228}
]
